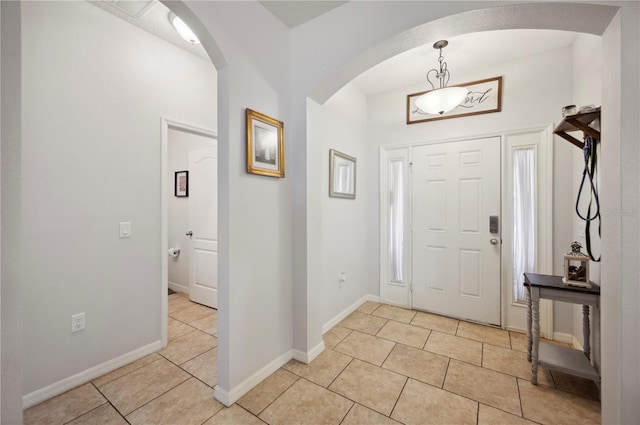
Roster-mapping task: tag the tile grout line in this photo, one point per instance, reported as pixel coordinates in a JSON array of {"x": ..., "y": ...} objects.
[
  {"x": 347, "y": 414},
  {"x": 340, "y": 373},
  {"x": 131, "y": 371},
  {"x": 395, "y": 344},
  {"x": 519, "y": 397},
  {"x": 279, "y": 395},
  {"x": 110, "y": 403},
  {"x": 153, "y": 399},
  {"x": 406, "y": 381},
  {"x": 446, "y": 371},
  {"x": 87, "y": 412},
  {"x": 424, "y": 346}
]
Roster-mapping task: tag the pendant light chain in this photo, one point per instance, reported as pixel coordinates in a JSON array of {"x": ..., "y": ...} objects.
[{"x": 442, "y": 99}]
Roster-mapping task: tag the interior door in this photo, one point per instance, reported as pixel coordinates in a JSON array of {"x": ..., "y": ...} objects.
[
  {"x": 203, "y": 221},
  {"x": 455, "y": 257}
]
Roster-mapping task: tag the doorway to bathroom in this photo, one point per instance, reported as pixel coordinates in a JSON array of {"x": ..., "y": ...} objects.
[{"x": 189, "y": 235}]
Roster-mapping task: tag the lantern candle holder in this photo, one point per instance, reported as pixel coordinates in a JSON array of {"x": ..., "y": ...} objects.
[{"x": 576, "y": 267}]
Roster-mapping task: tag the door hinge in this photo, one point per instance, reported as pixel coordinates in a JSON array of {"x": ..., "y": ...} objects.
[{"x": 411, "y": 166}]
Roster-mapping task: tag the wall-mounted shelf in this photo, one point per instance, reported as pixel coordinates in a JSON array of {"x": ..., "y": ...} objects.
[{"x": 578, "y": 122}]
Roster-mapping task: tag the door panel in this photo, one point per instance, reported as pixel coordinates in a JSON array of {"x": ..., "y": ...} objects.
[
  {"x": 203, "y": 219},
  {"x": 456, "y": 187}
]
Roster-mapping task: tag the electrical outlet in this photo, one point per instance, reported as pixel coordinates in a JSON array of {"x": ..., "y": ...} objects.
[
  {"x": 342, "y": 278},
  {"x": 77, "y": 322}
]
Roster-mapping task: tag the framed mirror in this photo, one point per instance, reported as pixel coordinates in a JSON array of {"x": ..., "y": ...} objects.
[{"x": 342, "y": 175}]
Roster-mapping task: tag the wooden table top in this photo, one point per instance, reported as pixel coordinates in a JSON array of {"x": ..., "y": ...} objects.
[{"x": 555, "y": 282}]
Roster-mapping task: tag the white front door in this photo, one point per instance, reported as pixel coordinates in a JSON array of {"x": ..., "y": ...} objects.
[
  {"x": 203, "y": 221},
  {"x": 455, "y": 258}
]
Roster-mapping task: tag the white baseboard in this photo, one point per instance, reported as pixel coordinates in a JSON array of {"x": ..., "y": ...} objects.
[
  {"x": 353, "y": 307},
  {"x": 308, "y": 357},
  {"x": 229, "y": 397},
  {"x": 516, "y": 329},
  {"x": 178, "y": 288},
  {"x": 566, "y": 338},
  {"x": 85, "y": 376},
  {"x": 557, "y": 336}
]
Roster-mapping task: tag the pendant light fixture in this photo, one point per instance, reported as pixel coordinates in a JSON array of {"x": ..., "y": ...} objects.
[
  {"x": 182, "y": 28},
  {"x": 441, "y": 99}
]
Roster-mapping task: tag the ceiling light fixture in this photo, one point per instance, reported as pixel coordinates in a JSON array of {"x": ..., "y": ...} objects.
[
  {"x": 182, "y": 28},
  {"x": 441, "y": 99}
]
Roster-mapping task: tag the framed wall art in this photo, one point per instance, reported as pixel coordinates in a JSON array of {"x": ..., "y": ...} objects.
[
  {"x": 342, "y": 175},
  {"x": 181, "y": 184},
  {"x": 265, "y": 145},
  {"x": 484, "y": 97}
]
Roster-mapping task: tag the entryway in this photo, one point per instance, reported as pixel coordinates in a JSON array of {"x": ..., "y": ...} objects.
[{"x": 447, "y": 225}]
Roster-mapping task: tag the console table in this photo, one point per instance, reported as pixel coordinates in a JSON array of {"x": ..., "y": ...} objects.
[{"x": 555, "y": 357}]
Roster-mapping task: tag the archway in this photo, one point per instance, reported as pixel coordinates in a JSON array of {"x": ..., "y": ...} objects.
[{"x": 598, "y": 20}]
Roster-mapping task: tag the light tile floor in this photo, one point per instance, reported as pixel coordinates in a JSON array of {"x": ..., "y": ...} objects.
[{"x": 381, "y": 365}]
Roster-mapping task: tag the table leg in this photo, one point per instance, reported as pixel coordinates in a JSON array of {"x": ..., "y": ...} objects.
[
  {"x": 586, "y": 331},
  {"x": 535, "y": 312},
  {"x": 528, "y": 324}
]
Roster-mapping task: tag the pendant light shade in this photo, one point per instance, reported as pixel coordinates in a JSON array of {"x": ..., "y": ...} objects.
[
  {"x": 442, "y": 99},
  {"x": 439, "y": 101}
]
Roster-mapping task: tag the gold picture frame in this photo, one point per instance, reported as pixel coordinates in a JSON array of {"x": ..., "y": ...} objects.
[
  {"x": 485, "y": 97},
  {"x": 265, "y": 145}
]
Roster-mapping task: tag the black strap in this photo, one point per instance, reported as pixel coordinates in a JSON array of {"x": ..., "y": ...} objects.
[{"x": 587, "y": 229}]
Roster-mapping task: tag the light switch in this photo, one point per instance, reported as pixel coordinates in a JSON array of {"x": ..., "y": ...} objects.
[{"x": 125, "y": 229}]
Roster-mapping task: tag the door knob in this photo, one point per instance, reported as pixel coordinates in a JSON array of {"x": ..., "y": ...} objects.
[
  {"x": 189, "y": 233},
  {"x": 493, "y": 241}
]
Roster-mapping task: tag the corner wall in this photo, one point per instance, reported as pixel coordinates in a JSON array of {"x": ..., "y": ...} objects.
[
  {"x": 10, "y": 215},
  {"x": 255, "y": 315},
  {"x": 339, "y": 124}
]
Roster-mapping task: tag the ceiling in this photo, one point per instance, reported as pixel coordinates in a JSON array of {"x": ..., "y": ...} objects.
[
  {"x": 462, "y": 54},
  {"x": 409, "y": 68},
  {"x": 294, "y": 13}
]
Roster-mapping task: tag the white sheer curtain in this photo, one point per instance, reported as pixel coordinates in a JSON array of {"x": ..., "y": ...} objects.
[
  {"x": 396, "y": 221},
  {"x": 524, "y": 220}
]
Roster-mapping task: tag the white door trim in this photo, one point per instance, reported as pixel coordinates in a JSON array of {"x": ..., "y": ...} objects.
[
  {"x": 166, "y": 124},
  {"x": 545, "y": 197},
  {"x": 544, "y": 210}
]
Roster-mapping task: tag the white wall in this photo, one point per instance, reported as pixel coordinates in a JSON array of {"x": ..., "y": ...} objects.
[
  {"x": 180, "y": 143},
  {"x": 587, "y": 90},
  {"x": 340, "y": 124},
  {"x": 94, "y": 89},
  {"x": 531, "y": 97},
  {"x": 620, "y": 174},
  {"x": 255, "y": 314}
]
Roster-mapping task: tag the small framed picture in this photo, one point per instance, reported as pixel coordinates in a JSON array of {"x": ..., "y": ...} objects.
[
  {"x": 265, "y": 145},
  {"x": 342, "y": 175},
  {"x": 181, "y": 181}
]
